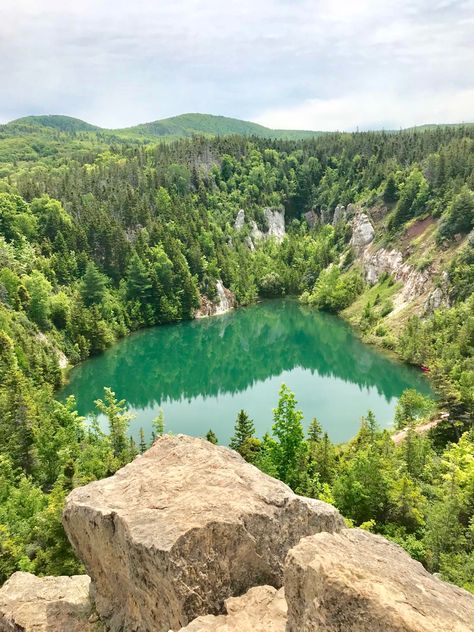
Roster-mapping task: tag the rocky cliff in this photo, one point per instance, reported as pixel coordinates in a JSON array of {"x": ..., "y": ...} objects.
[
  {"x": 274, "y": 221},
  {"x": 181, "y": 529},
  {"x": 225, "y": 302},
  {"x": 191, "y": 537}
]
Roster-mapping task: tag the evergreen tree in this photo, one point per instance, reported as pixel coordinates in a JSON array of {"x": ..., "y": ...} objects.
[
  {"x": 288, "y": 430},
  {"x": 138, "y": 279},
  {"x": 315, "y": 431},
  {"x": 157, "y": 426},
  {"x": 211, "y": 437},
  {"x": 390, "y": 193},
  {"x": 93, "y": 285},
  {"x": 142, "y": 446},
  {"x": 243, "y": 429},
  {"x": 118, "y": 419}
]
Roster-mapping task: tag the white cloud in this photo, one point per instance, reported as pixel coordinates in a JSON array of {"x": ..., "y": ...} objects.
[
  {"x": 376, "y": 110},
  {"x": 116, "y": 62}
]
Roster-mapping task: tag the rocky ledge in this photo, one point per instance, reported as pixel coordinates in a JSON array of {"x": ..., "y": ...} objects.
[
  {"x": 181, "y": 529},
  {"x": 261, "y": 609}
]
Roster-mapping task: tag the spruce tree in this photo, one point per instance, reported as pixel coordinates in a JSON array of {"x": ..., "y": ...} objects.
[
  {"x": 243, "y": 429},
  {"x": 93, "y": 285},
  {"x": 212, "y": 437},
  {"x": 315, "y": 431}
]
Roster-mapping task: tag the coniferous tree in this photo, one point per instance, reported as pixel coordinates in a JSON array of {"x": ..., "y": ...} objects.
[
  {"x": 243, "y": 429},
  {"x": 211, "y": 437},
  {"x": 93, "y": 285}
]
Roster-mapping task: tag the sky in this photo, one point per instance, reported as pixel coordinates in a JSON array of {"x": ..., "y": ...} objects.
[{"x": 290, "y": 64}]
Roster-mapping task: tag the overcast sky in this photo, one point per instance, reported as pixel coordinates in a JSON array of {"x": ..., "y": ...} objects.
[{"x": 307, "y": 64}]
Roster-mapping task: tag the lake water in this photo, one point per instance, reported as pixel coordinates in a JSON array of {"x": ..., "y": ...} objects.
[{"x": 202, "y": 372}]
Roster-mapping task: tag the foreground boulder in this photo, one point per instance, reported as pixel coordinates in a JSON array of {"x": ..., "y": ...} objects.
[
  {"x": 45, "y": 604},
  {"x": 183, "y": 527},
  {"x": 355, "y": 581},
  {"x": 261, "y": 609}
]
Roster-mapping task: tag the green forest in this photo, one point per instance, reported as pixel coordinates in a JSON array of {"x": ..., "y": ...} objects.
[{"x": 104, "y": 233}]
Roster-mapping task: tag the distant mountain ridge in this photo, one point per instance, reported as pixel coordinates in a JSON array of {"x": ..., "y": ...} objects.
[
  {"x": 179, "y": 126},
  {"x": 175, "y": 126}
]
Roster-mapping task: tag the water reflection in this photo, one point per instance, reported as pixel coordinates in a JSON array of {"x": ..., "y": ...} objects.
[{"x": 221, "y": 357}]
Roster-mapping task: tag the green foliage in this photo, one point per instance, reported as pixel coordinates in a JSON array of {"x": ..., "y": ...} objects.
[
  {"x": 212, "y": 437},
  {"x": 103, "y": 232},
  {"x": 459, "y": 217},
  {"x": 413, "y": 198},
  {"x": 289, "y": 436},
  {"x": 243, "y": 430},
  {"x": 411, "y": 407},
  {"x": 334, "y": 291},
  {"x": 93, "y": 286}
]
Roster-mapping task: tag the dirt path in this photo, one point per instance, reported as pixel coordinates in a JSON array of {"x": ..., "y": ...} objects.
[{"x": 399, "y": 436}]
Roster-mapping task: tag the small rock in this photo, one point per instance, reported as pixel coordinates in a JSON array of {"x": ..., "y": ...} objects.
[
  {"x": 261, "y": 609},
  {"x": 45, "y": 604}
]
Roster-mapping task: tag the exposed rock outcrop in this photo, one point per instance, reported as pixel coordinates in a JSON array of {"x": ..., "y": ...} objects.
[
  {"x": 224, "y": 303},
  {"x": 181, "y": 529},
  {"x": 339, "y": 214},
  {"x": 355, "y": 581},
  {"x": 416, "y": 283},
  {"x": 275, "y": 226},
  {"x": 312, "y": 218},
  {"x": 261, "y": 609},
  {"x": 363, "y": 232},
  {"x": 45, "y": 604},
  {"x": 239, "y": 220},
  {"x": 439, "y": 296},
  {"x": 275, "y": 222}
]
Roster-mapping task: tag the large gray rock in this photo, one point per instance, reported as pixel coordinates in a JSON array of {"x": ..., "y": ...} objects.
[
  {"x": 261, "y": 609},
  {"x": 182, "y": 528},
  {"x": 354, "y": 581},
  {"x": 339, "y": 215},
  {"x": 362, "y": 231},
  {"x": 45, "y": 604}
]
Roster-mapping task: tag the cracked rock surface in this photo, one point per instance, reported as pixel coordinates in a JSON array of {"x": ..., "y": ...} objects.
[
  {"x": 261, "y": 609},
  {"x": 45, "y": 604},
  {"x": 181, "y": 529},
  {"x": 355, "y": 581}
]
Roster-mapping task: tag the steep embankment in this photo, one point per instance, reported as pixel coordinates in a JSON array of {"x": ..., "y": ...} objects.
[{"x": 406, "y": 275}]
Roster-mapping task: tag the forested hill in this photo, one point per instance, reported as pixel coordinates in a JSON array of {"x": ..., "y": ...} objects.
[
  {"x": 100, "y": 236},
  {"x": 173, "y": 127}
]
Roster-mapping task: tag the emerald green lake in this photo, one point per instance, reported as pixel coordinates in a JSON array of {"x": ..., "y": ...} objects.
[{"x": 202, "y": 372}]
